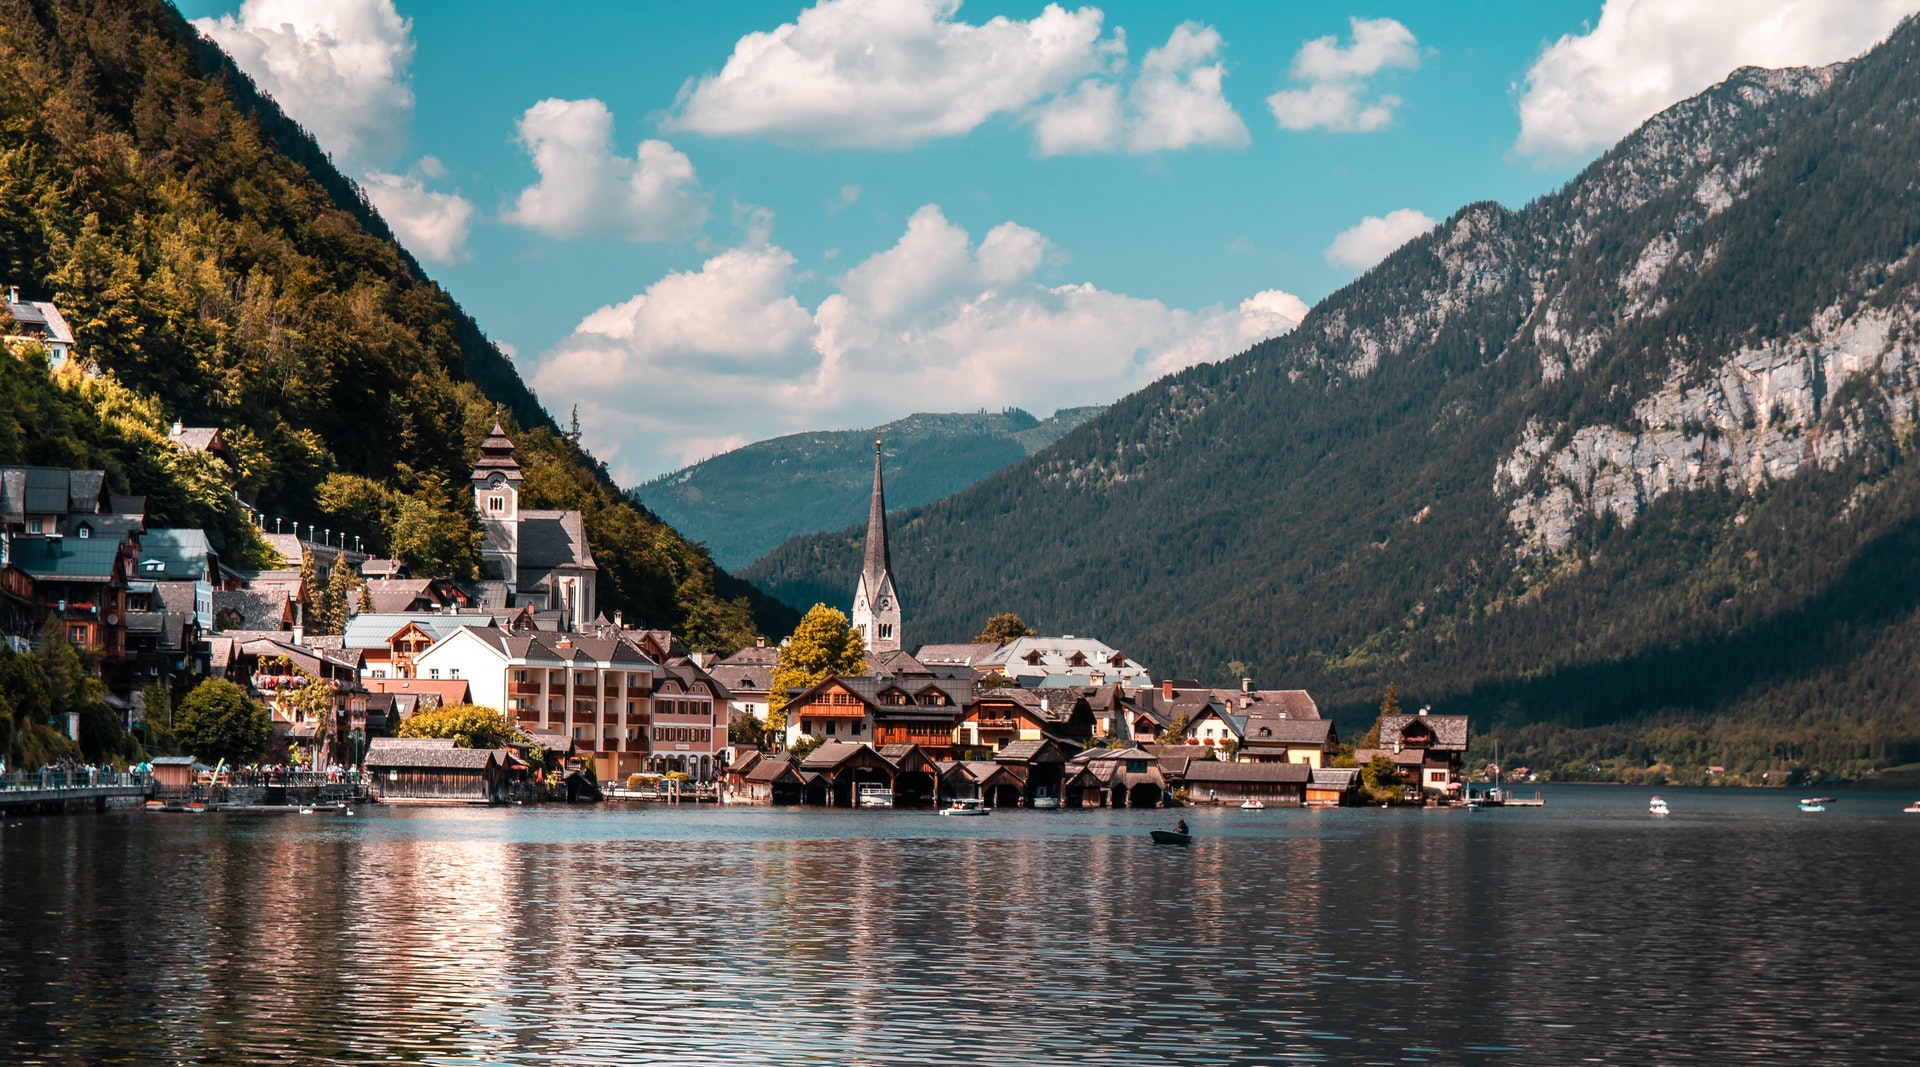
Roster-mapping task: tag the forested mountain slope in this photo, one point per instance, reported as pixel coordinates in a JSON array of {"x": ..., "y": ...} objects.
[
  {"x": 744, "y": 503},
  {"x": 219, "y": 271},
  {"x": 1627, "y": 474}
]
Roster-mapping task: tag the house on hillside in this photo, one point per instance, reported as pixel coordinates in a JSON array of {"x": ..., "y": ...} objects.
[
  {"x": 38, "y": 322},
  {"x": 748, "y": 676},
  {"x": 1428, "y": 750}
]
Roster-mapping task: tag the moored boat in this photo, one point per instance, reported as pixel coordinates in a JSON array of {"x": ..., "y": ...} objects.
[
  {"x": 967, "y": 806},
  {"x": 1656, "y": 806},
  {"x": 1809, "y": 805},
  {"x": 1253, "y": 805},
  {"x": 1913, "y": 808},
  {"x": 1171, "y": 837},
  {"x": 875, "y": 796}
]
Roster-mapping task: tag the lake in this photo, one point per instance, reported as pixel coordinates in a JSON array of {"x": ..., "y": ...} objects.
[{"x": 1736, "y": 929}]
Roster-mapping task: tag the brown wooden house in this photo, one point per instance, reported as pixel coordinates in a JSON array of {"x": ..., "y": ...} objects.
[
  {"x": 432, "y": 770},
  {"x": 1272, "y": 784}
]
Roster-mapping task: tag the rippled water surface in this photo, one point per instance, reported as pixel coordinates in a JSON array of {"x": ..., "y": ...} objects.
[{"x": 1738, "y": 929}]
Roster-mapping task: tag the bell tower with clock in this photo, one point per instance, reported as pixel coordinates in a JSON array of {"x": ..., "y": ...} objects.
[{"x": 876, "y": 604}]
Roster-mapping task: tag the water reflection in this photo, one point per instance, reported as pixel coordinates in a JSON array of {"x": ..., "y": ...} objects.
[{"x": 1737, "y": 929}]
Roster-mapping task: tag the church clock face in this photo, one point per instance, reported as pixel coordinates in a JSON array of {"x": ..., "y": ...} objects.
[{"x": 883, "y": 603}]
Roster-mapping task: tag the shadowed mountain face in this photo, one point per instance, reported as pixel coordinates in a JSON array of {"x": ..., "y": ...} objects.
[
  {"x": 744, "y": 503},
  {"x": 1630, "y": 463}
]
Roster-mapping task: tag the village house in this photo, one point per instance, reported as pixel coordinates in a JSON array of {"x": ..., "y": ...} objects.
[
  {"x": 748, "y": 677},
  {"x": 38, "y": 322},
  {"x": 597, "y": 690},
  {"x": 1275, "y": 740},
  {"x": 1427, "y": 749},
  {"x": 689, "y": 730},
  {"x": 389, "y": 643},
  {"x": 1081, "y": 660},
  {"x": 1114, "y": 777},
  {"x": 919, "y": 711},
  {"x": 999, "y": 717},
  {"x": 1272, "y": 784}
]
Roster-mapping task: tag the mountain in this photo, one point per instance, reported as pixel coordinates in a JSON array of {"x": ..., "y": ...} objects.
[
  {"x": 1627, "y": 474},
  {"x": 743, "y": 503},
  {"x": 218, "y": 270}
]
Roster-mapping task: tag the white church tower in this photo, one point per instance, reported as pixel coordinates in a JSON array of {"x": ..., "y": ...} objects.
[
  {"x": 876, "y": 606},
  {"x": 496, "y": 497}
]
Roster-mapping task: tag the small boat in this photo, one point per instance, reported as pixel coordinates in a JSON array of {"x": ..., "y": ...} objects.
[
  {"x": 1913, "y": 808},
  {"x": 875, "y": 796},
  {"x": 1044, "y": 800},
  {"x": 1656, "y": 806},
  {"x": 1171, "y": 837},
  {"x": 967, "y": 806},
  {"x": 1253, "y": 805},
  {"x": 1816, "y": 800},
  {"x": 1808, "y": 805}
]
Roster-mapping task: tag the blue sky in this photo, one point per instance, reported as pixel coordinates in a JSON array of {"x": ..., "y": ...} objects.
[{"x": 1026, "y": 205}]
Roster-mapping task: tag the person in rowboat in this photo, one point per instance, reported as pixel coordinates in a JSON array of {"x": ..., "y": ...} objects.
[{"x": 1180, "y": 827}]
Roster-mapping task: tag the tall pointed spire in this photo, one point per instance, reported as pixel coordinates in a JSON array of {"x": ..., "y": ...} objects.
[
  {"x": 878, "y": 564},
  {"x": 876, "y": 606}
]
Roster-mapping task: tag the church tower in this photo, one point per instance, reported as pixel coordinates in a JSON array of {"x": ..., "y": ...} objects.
[
  {"x": 876, "y": 606},
  {"x": 496, "y": 497}
]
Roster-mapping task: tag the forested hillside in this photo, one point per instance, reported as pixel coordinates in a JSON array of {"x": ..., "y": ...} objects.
[
  {"x": 217, "y": 270},
  {"x": 1628, "y": 474},
  {"x": 744, "y": 503}
]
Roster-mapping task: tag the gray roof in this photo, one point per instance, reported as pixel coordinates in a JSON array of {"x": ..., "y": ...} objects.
[
  {"x": 877, "y": 564},
  {"x": 256, "y": 609},
  {"x": 392, "y": 595},
  {"x": 49, "y": 491},
  {"x": 39, "y": 318},
  {"x": 1214, "y": 771},
  {"x": 1449, "y": 731},
  {"x": 176, "y": 555},
  {"x": 84, "y": 559},
  {"x": 433, "y": 753},
  {"x": 1335, "y": 777},
  {"x": 194, "y": 438},
  {"x": 832, "y": 754},
  {"x": 966, "y": 654},
  {"x": 550, "y": 539},
  {"x": 372, "y": 629},
  {"x": 1267, "y": 731}
]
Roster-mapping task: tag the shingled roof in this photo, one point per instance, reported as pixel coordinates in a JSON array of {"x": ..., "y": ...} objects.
[
  {"x": 429, "y": 753},
  {"x": 1214, "y": 772},
  {"x": 1449, "y": 731}
]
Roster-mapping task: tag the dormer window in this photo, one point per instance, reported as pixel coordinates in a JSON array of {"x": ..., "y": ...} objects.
[{"x": 84, "y": 532}]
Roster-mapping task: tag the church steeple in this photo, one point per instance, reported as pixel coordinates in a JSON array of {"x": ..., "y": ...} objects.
[{"x": 876, "y": 605}]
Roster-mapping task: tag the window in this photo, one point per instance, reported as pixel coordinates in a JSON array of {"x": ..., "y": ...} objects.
[
  {"x": 519, "y": 676},
  {"x": 496, "y": 503},
  {"x": 77, "y": 635},
  {"x": 35, "y": 526},
  {"x": 579, "y": 733},
  {"x": 453, "y": 673},
  {"x": 829, "y": 728},
  {"x": 635, "y": 681},
  {"x": 886, "y": 629},
  {"x": 85, "y": 532},
  {"x": 379, "y": 673},
  {"x": 433, "y": 672},
  {"x": 854, "y": 729},
  {"x": 582, "y": 678},
  {"x": 633, "y": 707}
]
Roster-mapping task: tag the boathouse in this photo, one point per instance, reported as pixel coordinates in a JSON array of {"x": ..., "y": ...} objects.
[
  {"x": 432, "y": 769},
  {"x": 1332, "y": 787},
  {"x": 1115, "y": 777},
  {"x": 773, "y": 780},
  {"x": 1273, "y": 784}
]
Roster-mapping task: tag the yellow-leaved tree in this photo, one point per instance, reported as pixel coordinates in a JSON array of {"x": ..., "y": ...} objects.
[
  {"x": 824, "y": 643},
  {"x": 470, "y": 726}
]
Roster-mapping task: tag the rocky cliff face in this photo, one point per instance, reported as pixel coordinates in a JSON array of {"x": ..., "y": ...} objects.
[{"x": 1569, "y": 460}]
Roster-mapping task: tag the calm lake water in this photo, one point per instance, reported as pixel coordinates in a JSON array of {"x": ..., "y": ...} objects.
[{"x": 1736, "y": 930}]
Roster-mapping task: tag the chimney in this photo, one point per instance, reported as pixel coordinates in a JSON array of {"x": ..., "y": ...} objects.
[
  {"x": 619, "y": 620},
  {"x": 759, "y": 642},
  {"x": 1166, "y": 688},
  {"x": 1426, "y": 708},
  {"x": 1246, "y": 685},
  {"x": 177, "y": 427},
  {"x": 13, "y": 294},
  {"x": 564, "y": 642}
]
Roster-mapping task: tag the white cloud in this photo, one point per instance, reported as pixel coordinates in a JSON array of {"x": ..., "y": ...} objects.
[
  {"x": 888, "y": 73},
  {"x": 1336, "y": 94},
  {"x": 1588, "y": 90},
  {"x": 337, "y": 67},
  {"x": 432, "y": 225},
  {"x": 1174, "y": 103},
  {"x": 1370, "y": 241},
  {"x": 937, "y": 322},
  {"x": 584, "y": 188}
]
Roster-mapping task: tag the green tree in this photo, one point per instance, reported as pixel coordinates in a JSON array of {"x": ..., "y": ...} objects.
[
  {"x": 824, "y": 643},
  {"x": 1176, "y": 731},
  {"x": 342, "y": 584},
  {"x": 470, "y": 726},
  {"x": 218, "y": 720},
  {"x": 1004, "y": 627},
  {"x": 160, "y": 739},
  {"x": 744, "y": 729},
  {"x": 1382, "y": 780}
]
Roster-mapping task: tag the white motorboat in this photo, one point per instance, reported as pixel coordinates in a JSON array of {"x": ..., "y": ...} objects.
[
  {"x": 1809, "y": 805},
  {"x": 1656, "y": 806},
  {"x": 967, "y": 806},
  {"x": 1913, "y": 808},
  {"x": 1253, "y": 805},
  {"x": 875, "y": 796},
  {"x": 1044, "y": 800}
]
